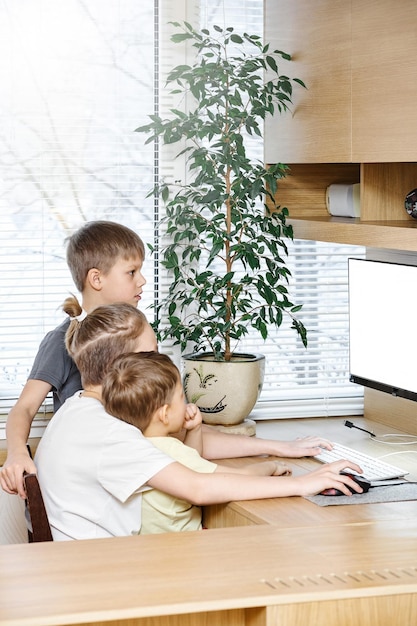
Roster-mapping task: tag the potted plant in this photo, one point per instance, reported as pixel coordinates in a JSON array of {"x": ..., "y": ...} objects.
[{"x": 226, "y": 248}]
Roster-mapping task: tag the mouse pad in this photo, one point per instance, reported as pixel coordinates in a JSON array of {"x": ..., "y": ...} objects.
[{"x": 395, "y": 493}]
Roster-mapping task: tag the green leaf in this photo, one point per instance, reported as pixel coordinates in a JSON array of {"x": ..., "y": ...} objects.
[
  {"x": 300, "y": 82},
  {"x": 272, "y": 63},
  {"x": 180, "y": 37},
  {"x": 283, "y": 55},
  {"x": 165, "y": 193}
]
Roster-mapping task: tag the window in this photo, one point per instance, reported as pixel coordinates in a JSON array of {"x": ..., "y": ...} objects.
[{"x": 76, "y": 79}]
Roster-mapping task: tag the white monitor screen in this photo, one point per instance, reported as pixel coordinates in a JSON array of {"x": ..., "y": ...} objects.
[{"x": 382, "y": 326}]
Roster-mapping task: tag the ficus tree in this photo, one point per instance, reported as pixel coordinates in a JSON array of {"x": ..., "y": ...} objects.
[{"x": 227, "y": 251}]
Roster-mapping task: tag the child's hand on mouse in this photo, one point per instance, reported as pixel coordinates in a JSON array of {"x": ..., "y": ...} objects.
[
  {"x": 193, "y": 418},
  {"x": 328, "y": 476}
]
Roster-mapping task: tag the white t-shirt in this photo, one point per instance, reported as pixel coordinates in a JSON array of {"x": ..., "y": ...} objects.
[
  {"x": 162, "y": 513},
  {"x": 92, "y": 469}
]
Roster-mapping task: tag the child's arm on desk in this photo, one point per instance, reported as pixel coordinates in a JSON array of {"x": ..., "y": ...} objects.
[
  {"x": 219, "y": 445},
  {"x": 201, "y": 489},
  {"x": 264, "y": 468}
]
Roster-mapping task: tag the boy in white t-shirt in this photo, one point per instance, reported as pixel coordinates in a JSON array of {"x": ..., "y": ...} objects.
[
  {"x": 93, "y": 467},
  {"x": 145, "y": 390}
]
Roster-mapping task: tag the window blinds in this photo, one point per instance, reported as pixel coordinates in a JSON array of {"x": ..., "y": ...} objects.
[
  {"x": 76, "y": 80},
  {"x": 311, "y": 382}
]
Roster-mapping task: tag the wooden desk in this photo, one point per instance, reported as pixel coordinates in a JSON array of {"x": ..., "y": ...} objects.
[
  {"x": 299, "y": 512},
  {"x": 291, "y": 563},
  {"x": 333, "y": 576}
]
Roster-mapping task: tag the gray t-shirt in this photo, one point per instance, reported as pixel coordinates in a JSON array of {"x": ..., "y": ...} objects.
[{"x": 54, "y": 365}]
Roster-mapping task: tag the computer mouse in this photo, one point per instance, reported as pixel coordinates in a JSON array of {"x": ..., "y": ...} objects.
[{"x": 360, "y": 480}]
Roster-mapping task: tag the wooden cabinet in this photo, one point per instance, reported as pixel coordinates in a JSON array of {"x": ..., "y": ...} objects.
[
  {"x": 384, "y": 80},
  {"x": 317, "y": 35},
  {"x": 358, "y": 60},
  {"x": 355, "y": 122}
]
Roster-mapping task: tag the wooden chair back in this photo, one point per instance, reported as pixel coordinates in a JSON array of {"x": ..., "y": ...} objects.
[{"x": 41, "y": 530}]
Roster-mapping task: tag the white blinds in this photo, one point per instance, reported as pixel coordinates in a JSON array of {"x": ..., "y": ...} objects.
[
  {"x": 76, "y": 79},
  {"x": 312, "y": 381}
]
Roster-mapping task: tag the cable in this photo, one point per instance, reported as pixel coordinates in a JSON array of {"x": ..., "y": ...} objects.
[
  {"x": 383, "y": 456},
  {"x": 352, "y": 425},
  {"x": 380, "y": 438}
]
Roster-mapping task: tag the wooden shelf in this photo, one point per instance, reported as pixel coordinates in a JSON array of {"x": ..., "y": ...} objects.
[
  {"x": 384, "y": 222},
  {"x": 390, "y": 234}
]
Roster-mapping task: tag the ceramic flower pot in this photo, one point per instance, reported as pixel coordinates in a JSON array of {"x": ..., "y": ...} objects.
[{"x": 224, "y": 392}]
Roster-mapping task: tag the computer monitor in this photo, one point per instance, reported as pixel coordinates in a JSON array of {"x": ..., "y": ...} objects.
[{"x": 383, "y": 326}]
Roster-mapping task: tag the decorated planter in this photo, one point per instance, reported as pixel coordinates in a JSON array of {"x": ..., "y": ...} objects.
[{"x": 224, "y": 392}]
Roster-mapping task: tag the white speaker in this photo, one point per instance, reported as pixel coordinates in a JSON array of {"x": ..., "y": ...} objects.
[{"x": 343, "y": 200}]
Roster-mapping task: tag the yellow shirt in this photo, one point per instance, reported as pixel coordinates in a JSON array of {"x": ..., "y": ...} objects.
[{"x": 163, "y": 513}]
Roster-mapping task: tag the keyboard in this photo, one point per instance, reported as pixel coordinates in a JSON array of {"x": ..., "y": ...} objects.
[{"x": 373, "y": 469}]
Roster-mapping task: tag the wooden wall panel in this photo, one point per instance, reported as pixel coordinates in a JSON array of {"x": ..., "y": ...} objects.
[
  {"x": 383, "y": 190},
  {"x": 391, "y": 411}
]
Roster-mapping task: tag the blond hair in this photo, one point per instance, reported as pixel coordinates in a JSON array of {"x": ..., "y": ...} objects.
[
  {"x": 104, "y": 334},
  {"x": 100, "y": 244},
  {"x": 137, "y": 385}
]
